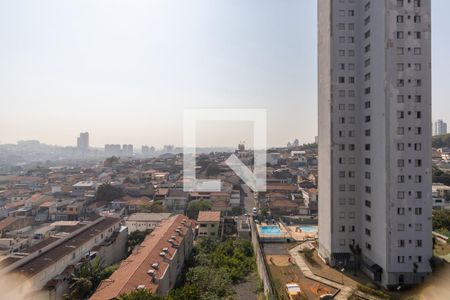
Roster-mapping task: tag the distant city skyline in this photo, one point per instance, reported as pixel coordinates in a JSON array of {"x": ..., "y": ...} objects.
[{"x": 126, "y": 76}]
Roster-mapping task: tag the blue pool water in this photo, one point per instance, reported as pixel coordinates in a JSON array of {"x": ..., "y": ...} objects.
[
  {"x": 270, "y": 230},
  {"x": 308, "y": 228}
]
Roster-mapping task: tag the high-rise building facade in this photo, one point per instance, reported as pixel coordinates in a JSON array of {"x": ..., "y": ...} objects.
[
  {"x": 83, "y": 141},
  {"x": 375, "y": 137},
  {"x": 439, "y": 127}
]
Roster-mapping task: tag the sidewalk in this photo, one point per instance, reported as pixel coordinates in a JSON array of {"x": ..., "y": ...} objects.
[{"x": 345, "y": 291}]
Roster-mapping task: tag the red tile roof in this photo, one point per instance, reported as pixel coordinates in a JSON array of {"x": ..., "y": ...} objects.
[
  {"x": 208, "y": 216},
  {"x": 6, "y": 222},
  {"x": 133, "y": 271}
]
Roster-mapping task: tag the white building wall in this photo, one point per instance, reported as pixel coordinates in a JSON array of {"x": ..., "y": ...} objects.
[{"x": 375, "y": 134}]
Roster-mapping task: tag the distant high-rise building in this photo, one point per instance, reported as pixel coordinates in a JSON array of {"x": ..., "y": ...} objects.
[
  {"x": 127, "y": 149},
  {"x": 83, "y": 141},
  {"x": 440, "y": 127},
  {"x": 241, "y": 146},
  {"x": 168, "y": 148},
  {"x": 296, "y": 143},
  {"x": 375, "y": 137},
  {"x": 146, "y": 150},
  {"x": 112, "y": 149}
]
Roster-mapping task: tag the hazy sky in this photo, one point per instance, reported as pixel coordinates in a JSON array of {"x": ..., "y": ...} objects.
[{"x": 125, "y": 70}]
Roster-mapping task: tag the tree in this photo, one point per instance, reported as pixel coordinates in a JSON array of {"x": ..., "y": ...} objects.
[
  {"x": 264, "y": 211},
  {"x": 86, "y": 277},
  {"x": 187, "y": 292},
  {"x": 155, "y": 207},
  {"x": 214, "y": 267},
  {"x": 195, "y": 206},
  {"x": 140, "y": 294},
  {"x": 441, "y": 141},
  {"x": 210, "y": 281},
  {"x": 441, "y": 220},
  {"x": 80, "y": 288},
  {"x": 212, "y": 170},
  {"x": 107, "y": 192},
  {"x": 136, "y": 238},
  {"x": 440, "y": 177}
]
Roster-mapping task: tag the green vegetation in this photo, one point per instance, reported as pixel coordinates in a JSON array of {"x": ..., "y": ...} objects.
[
  {"x": 373, "y": 292},
  {"x": 441, "y": 141},
  {"x": 140, "y": 294},
  {"x": 136, "y": 238},
  {"x": 195, "y": 206},
  {"x": 214, "y": 267},
  {"x": 440, "y": 176},
  {"x": 264, "y": 211},
  {"x": 107, "y": 192},
  {"x": 86, "y": 277},
  {"x": 155, "y": 207},
  {"x": 441, "y": 221},
  {"x": 212, "y": 170}
]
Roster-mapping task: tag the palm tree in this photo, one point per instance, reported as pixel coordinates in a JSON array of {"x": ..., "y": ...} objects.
[{"x": 86, "y": 277}]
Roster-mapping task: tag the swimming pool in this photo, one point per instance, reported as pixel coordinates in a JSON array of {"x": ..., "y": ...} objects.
[
  {"x": 308, "y": 228},
  {"x": 274, "y": 230}
]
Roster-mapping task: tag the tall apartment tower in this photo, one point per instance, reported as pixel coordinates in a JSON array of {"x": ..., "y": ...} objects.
[
  {"x": 440, "y": 127},
  {"x": 375, "y": 137},
  {"x": 83, "y": 141}
]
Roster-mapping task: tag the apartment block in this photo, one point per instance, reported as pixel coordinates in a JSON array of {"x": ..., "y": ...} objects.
[
  {"x": 155, "y": 264},
  {"x": 42, "y": 270},
  {"x": 375, "y": 137}
]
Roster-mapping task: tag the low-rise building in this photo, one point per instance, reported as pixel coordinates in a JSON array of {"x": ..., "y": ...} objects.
[
  {"x": 145, "y": 221},
  {"x": 36, "y": 266},
  {"x": 176, "y": 201},
  {"x": 208, "y": 223},
  {"x": 440, "y": 195},
  {"x": 81, "y": 188},
  {"x": 155, "y": 265}
]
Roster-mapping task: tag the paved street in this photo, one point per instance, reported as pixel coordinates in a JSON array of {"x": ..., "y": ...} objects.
[{"x": 248, "y": 199}]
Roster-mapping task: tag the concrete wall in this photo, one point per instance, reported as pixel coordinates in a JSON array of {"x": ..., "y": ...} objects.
[{"x": 260, "y": 263}]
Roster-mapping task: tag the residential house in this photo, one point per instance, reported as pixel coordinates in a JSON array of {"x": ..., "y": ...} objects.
[
  {"x": 176, "y": 201},
  {"x": 208, "y": 223}
]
